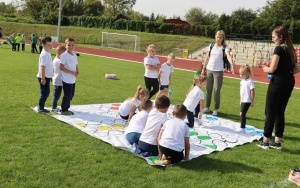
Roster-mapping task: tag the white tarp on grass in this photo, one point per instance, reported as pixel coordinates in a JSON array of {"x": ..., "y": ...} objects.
[{"x": 103, "y": 122}]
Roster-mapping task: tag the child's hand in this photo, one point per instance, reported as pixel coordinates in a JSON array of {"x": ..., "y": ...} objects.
[{"x": 43, "y": 81}]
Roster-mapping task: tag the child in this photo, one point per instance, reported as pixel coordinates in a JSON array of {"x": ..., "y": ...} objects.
[
  {"x": 173, "y": 138},
  {"x": 57, "y": 82},
  {"x": 12, "y": 39},
  {"x": 164, "y": 75},
  {"x": 147, "y": 145},
  {"x": 152, "y": 66},
  {"x": 18, "y": 41},
  {"x": 195, "y": 96},
  {"x": 33, "y": 40},
  {"x": 128, "y": 107},
  {"x": 23, "y": 41},
  {"x": 138, "y": 122},
  {"x": 45, "y": 73},
  {"x": 69, "y": 72},
  {"x": 247, "y": 94}
]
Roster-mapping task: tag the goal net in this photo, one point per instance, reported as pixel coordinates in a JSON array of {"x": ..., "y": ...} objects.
[{"x": 120, "y": 41}]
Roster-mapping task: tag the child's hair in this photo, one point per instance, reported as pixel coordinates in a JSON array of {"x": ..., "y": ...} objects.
[
  {"x": 162, "y": 102},
  {"x": 60, "y": 49},
  {"x": 140, "y": 91},
  {"x": 46, "y": 39},
  {"x": 199, "y": 79},
  {"x": 171, "y": 56},
  {"x": 180, "y": 111},
  {"x": 69, "y": 39},
  {"x": 150, "y": 47},
  {"x": 246, "y": 68},
  {"x": 147, "y": 104},
  {"x": 222, "y": 33}
]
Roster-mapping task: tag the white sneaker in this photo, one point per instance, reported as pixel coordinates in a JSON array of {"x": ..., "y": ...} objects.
[
  {"x": 198, "y": 121},
  {"x": 206, "y": 110},
  {"x": 215, "y": 113}
]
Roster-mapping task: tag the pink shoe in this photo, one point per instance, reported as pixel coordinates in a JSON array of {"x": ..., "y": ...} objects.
[{"x": 294, "y": 177}]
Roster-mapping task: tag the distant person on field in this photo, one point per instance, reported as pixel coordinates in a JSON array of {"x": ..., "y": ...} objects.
[
  {"x": 164, "y": 75},
  {"x": 69, "y": 72},
  {"x": 138, "y": 122},
  {"x": 128, "y": 107},
  {"x": 23, "y": 42},
  {"x": 45, "y": 73},
  {"x": 1, "y": 36},
  {"x": 148, "y": 145},
  {"x": 40, "y": 43},
  {"x": 152, "y": 67},
  {"x": 247, "y": 93},
  {"x": 12, "y": 39},
  {"x": 18, "y": 41},
  {"x": 174, "y": 138},
  {"x": 33, "y": 40},
  {"x": 56, "y": 80}
]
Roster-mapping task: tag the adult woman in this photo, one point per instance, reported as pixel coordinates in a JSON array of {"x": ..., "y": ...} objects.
[
  {"x": 213, "y": 66},
  {"x": 283, "y": 67}
]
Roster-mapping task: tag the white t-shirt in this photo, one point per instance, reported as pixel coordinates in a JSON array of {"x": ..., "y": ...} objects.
[
  {"x": 154, "y": 123},
  {"x": 175, "y": 130},
  {"x": 151, "y": 61},
  {"x": 125, "y": 107},
  {"x": 138, "y": 122},
  {"x": 215, "y": 62},
  {"x": 166, "y": 71},
  {"x": 70, "y": 62},
  {"x": 245, "y": 87},
  {"x": 45, "y": 60},
  {"x": 57, "y": 73},
  {"x": 193, "y": 98}
]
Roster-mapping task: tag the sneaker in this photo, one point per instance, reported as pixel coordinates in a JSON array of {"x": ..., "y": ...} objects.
[
  {"x": 215, "y": 113},
  {"x": 263, "y": 145},
  {"x": 198, "y": 121},
  {"x": 275, "y": 145},
  {"x": 206, "y": 110},
  {"x": 294, "y": 177},
  {"x": 241, "y": 131},
  {"x": 67, "y": 113},
  {"x": 56, "y": 110},
  {"x": 43, "y": 111}
]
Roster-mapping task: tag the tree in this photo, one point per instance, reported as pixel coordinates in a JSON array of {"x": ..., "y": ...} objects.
[
  {"x": 137, "y": 16},
  {"x": 240, "y": 19},
  {"x": 93, "y": 8},
  {"x": 197, "y": 16},
  {"x": 115, "y": 7},
  {"x": 7, "y": 9}
]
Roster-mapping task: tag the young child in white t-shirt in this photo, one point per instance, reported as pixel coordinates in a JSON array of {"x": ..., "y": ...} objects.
[
  {"x": 128, "y": 107},
  {"x": 195, "y": 96},
  {"x": 147, "y": 145},
  {"x": 138, "y": 122},
  {"x": 247, "y": 94},
  {"x": 56, "y": 80},
  {"x": 174, "y": 138},
  {"x": 164, "y": 75}
]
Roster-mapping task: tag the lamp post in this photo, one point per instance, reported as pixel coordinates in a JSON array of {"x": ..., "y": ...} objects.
[{"x": 59, "y": 20}]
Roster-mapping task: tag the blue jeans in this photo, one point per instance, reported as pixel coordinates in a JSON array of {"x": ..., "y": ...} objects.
[
  {"x": 56, "y": 96},
  {"x": 133, "y": 138},
  {"x": 44, "y": 93},
  {"x": 69, "y": 90}
]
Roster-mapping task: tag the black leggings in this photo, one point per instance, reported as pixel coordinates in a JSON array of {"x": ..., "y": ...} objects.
[
  {"x": 151, "y": 82},
  {"x": 244, "y": 109}
]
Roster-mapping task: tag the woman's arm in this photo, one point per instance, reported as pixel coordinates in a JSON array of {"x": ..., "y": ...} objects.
[
  {"x": 274, "y": 64},
  {"x": 230, "y": 59},
  {"x": 205, "y": 63}
]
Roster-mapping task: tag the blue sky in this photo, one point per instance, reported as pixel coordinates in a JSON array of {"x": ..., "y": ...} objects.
[{"x": 172, "y": 8}]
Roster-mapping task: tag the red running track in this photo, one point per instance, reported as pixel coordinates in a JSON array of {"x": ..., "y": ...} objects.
[{"x": 186, "y": 64}]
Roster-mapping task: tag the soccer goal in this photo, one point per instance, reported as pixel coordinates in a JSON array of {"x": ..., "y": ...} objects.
[{"x": 121, "y": 41}]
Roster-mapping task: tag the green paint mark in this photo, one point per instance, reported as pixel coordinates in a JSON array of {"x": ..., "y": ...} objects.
[
  {"x": 152, "y": 159},
  {"x": 204, "y": 137},
  {"x": 211, "y": 146},
  {"x": 193, "y": 133}
]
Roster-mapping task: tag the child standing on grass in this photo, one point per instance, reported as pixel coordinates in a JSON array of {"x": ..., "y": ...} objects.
[
  {"x": 138, "y": 123},
  {"x": 194, "y": 97},
  {"x": 164, "y": 75},
  {"x": 23, "y": 41},
  {"x": 128, "y": 107},
  {"x": 18, "y": 41},
  {"x": 152, "y": 67},
  {"x": 148, "y": 145},
  {"x": 57, "y": 82},
  {"x": 45, "y": 73},
  {"x": 69, "y": 72},
  {"x": 173, "y": 138},
  {"x": 247, "y": 94}
]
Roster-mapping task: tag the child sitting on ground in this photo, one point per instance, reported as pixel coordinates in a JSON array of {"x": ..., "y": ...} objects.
[
  {"x": 173, "y": 138},
  {"x": 56, "y": 80},
  {"x": 138, "y": 123},
  {"x": 195, "y": 96},
  {"x": 128, "y": 107},
  {"x": 164, "y": 75},
  {"x": 147, "y": 145}
]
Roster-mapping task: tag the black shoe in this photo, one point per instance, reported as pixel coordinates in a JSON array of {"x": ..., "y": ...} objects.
[
  {"x": 43, "y": 111},
  {"x": 275, "y": 145},
  {"x": 263, "y": 145}
]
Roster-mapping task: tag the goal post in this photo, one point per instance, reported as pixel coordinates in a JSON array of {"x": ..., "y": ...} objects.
[{"x": 120, "y": 41}]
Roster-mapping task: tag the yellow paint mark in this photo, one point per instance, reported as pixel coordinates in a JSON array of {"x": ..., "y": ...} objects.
[
  {"x": 118, "y": 127},
  {"x": 103, "y": 128},
  {"x": 81, "y": 124}
]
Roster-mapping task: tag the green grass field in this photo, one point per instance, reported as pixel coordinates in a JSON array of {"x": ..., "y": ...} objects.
[{"x": 39, "y": 151}]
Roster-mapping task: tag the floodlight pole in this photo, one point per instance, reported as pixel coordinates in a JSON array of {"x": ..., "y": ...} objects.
[{"x": 59, "y": 20}]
